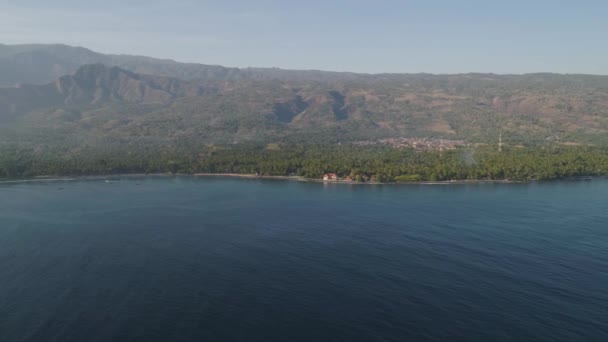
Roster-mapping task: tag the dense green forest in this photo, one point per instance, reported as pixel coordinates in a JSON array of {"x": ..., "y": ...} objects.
[{"x": 361, "y": 163}]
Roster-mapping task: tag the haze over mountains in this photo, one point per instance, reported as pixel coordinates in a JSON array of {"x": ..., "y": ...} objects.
[
  {"x": 39, "y": 64},
  {"x": 58, "y": 91}
]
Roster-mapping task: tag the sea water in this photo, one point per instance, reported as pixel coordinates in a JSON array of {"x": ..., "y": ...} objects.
[{"x": 224, "y": 259}]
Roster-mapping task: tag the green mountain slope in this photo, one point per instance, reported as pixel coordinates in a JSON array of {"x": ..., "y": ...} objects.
[{"x": 101, "y": 103}]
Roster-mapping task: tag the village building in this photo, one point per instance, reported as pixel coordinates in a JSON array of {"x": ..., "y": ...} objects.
[
  {"x": 330, "y": 177},
  {"x": 348, "y": 179}
]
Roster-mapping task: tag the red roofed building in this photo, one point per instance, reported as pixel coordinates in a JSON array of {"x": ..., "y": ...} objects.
[{"x": 330, "y": 177}]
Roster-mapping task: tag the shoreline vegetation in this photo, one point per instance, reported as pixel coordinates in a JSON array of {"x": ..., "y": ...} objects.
[
  {"x": 313, "y": 180},
  {"x": 116, "y": 178},
  {"x": 345, "y": 164}
]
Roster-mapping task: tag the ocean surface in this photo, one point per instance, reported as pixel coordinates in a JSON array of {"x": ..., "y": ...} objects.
[{"x": 224, "y": 259}]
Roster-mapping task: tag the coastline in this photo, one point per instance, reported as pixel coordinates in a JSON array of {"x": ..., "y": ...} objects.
[
  {"x": 76, "y": 178},
  {"x": 314, "y": 180},
  {"x": 288, "y": 178}
]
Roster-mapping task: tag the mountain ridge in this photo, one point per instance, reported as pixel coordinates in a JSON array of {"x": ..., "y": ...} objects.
[
  {"x": 42, "y": 63},
  {"x": 105, "y": 100}
]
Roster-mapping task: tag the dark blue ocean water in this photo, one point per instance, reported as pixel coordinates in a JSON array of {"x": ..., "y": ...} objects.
[{"x": 186, "y": 259}]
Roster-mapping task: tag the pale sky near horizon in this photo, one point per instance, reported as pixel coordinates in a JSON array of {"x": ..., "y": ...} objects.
[{"x": 358, "y": 35}]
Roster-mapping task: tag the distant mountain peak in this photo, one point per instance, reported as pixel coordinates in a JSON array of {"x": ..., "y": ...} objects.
[
  {"x": 97, "y": 83},
  {"x": 100, "y": 74}
]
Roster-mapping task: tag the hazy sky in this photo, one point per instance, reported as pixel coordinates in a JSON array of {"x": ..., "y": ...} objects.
[{"x": 502, "y": 36}]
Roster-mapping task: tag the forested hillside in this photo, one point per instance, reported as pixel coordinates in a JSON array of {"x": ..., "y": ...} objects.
[{"x": 102, "y": 102}]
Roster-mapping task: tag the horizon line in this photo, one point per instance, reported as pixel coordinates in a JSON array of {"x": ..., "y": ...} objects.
[{"x": 304, "y": 69}]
